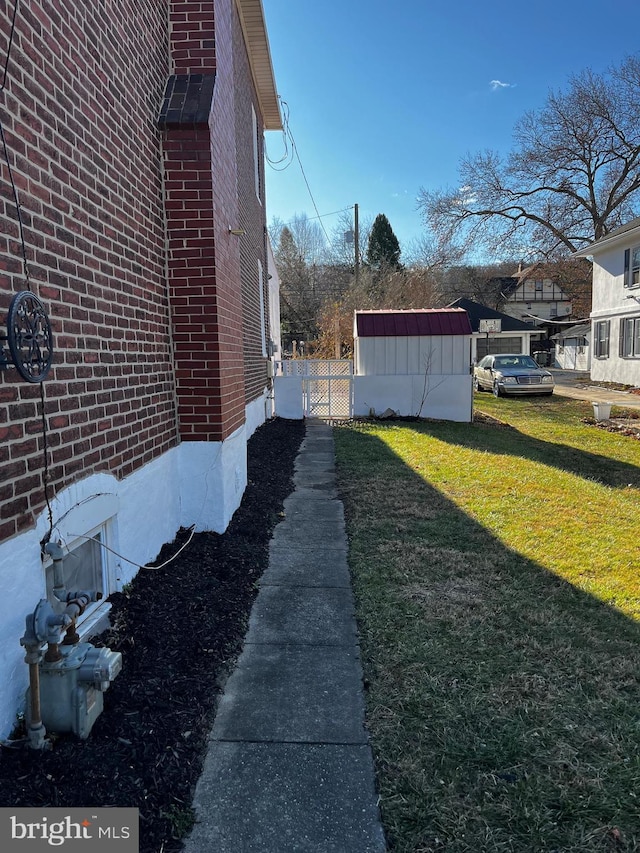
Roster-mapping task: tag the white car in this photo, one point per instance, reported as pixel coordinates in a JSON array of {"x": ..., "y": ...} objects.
[{"x": 511, "y": 374}]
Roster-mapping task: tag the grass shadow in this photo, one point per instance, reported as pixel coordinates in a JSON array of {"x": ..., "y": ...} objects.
[
  {"x": 502, "y": 700},
  {"x": 503, "y": 439}
]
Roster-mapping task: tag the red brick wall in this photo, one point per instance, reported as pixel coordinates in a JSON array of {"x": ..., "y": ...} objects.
[
  {"x": 225, "y": 178},
  {"x": 214, "y": 274},
  {"x": 192, "y": 36},
  {"x": 79, "y": 111},
  {"x": 203, "y": 257},
  {"x": 252, "y": 219}
]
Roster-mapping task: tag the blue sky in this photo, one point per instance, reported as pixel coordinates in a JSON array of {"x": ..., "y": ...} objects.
[{"x": 386, "y": 97}]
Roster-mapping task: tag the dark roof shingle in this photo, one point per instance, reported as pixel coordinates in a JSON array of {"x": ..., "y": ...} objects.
[
  {"x": 478, "y": 312},
  {"x": 399, "y": 324}
]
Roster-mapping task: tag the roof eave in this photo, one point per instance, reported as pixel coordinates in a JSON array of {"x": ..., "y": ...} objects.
[
  {"x": 609, "y": 242},
  {"x": 256, "y": 39}
]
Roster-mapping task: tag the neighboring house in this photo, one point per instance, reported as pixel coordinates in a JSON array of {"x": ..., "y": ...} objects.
[
  {"x": 534, "y": 296},
  {"x": 573, "y": 347},
  {"x": 134, "y": 132},
  {"x": 615, "y": 312},
  {"x": 514, "y": 336},
  {"x": 413, "y": 362}
]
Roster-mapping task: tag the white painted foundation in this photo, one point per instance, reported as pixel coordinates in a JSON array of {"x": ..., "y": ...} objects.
[
  {"x": 195, "y": 483},
  {"x": 288, "y": 397}
]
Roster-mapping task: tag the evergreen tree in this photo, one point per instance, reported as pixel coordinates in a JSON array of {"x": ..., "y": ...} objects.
[{"x": 383, "y": 250}]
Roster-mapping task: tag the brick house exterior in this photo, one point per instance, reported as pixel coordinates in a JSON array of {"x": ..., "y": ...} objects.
[{"x": 134, "y": 135}]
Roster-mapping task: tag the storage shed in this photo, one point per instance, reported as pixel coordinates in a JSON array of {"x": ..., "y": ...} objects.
[
  {"x": 573, "y": 350},
  {"x": 415, "y": 362}
]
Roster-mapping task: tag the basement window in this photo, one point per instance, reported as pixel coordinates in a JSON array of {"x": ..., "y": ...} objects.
[
  {"x": 85, "y": 569},
  {"x": 85, "y": 534},
  {"x": 82, "y": 569}
]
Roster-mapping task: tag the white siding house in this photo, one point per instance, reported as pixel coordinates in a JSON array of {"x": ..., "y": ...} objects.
[{"x": 615, "y": 311}]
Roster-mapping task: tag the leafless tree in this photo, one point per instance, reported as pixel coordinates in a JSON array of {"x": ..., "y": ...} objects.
[
  {"x": 308, "y": 236},
  {"x": 572, "y": 176},
  {"x": 300, "y": 301},
  {"x": 342, "y": 246},
  {"x": 483, "y": 284}
]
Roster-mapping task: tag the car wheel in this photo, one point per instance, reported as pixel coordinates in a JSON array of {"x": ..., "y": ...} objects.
[
  {"x": 496, "y": 390},
  {"x": 476, "y": 385}
]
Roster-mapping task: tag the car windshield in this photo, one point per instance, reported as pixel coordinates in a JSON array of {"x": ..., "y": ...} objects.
[{"x": 515, "y": 361}]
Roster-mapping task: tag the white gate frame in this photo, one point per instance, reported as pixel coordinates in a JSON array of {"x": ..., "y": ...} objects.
[{"x": 327, "y": 386}]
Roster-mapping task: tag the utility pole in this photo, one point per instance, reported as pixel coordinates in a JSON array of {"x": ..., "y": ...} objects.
[{"x": 356, "y": 241}]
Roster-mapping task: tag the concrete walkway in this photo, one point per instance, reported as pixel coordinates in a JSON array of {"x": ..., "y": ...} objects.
[
  {"x": 571, "y": 383},
  {"x": 289, "y": 767}
]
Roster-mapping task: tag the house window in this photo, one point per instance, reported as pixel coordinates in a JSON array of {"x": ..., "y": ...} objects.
[
  {"x": 632, "y": 267},
  {"x": 630, "y": 337},
  {"x": 601, "y": 339},
  {"x": 256, "y": 152}
]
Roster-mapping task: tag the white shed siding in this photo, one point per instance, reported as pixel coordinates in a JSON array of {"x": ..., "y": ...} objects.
[
  {"x": 444, "y": 397},
  {"x": 412, "y": 356},
  {"x": 573, "y": 355}
]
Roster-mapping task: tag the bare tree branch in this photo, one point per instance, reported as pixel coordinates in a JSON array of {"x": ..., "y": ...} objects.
[{"x": 573, "y": 174}]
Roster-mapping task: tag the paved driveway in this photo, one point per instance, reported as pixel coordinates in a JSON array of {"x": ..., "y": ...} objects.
[{"x": 573, "y": 383}]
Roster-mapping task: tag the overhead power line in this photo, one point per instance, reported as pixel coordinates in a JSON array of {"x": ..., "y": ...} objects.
[{"x": 291, "y": 152}]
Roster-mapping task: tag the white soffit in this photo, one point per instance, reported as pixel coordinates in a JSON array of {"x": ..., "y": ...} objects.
[{"x": 257, "y": 41}]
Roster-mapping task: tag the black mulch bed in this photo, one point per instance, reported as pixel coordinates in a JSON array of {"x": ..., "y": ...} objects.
[{"x": 180, "y": 630}]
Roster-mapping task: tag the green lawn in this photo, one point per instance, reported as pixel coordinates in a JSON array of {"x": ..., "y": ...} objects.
[{"x": 495, "y": 567}]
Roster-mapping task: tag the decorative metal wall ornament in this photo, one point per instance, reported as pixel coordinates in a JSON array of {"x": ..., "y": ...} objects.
[{"x": 29, "y": 338}]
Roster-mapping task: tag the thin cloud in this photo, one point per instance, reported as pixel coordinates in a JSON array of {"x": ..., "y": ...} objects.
[
  {"x": 498, "y": 84},
  {"x": 467, "y": 197}
]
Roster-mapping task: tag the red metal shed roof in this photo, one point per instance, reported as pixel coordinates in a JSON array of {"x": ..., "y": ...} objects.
[{"x": 400, "y": 324}]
